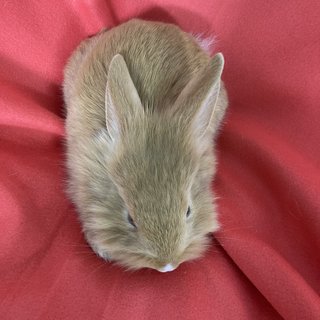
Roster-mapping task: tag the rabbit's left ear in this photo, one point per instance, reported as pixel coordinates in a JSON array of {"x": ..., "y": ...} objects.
[
  {"x": 197, "y": 101},
  {"x": 122, "y": 101}
]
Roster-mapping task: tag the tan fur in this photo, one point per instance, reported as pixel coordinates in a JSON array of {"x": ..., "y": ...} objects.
[{"x": 139, "y": 101}]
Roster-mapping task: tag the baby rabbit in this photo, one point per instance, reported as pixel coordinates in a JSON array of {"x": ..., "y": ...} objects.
[{"x": 144, "y": 103}]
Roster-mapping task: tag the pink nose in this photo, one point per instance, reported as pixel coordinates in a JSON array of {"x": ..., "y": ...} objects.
[{"x": 167, "y": 268}]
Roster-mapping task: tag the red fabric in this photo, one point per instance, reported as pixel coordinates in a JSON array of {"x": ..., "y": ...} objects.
[{"x": 264, "y": 264}]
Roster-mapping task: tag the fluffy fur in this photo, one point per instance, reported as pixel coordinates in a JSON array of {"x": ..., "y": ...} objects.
[{"x": 144, "y": 103}]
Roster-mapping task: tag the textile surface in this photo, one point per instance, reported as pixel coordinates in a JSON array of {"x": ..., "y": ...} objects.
[{"x": 265, "y": 261}]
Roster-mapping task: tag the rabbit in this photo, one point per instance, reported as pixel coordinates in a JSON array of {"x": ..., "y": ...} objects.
[{"x": 144, "y": 103}]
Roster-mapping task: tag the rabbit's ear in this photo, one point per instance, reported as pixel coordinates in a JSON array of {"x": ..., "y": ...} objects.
[
  {"x": 197, "y": 101},
  {"x": 122, "y": 101}
]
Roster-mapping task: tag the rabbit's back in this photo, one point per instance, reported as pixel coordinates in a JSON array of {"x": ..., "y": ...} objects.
[{"x": 161, "y": 60}]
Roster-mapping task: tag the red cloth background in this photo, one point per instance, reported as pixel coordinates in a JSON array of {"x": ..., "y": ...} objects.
[{"x": 265, "y": 262}]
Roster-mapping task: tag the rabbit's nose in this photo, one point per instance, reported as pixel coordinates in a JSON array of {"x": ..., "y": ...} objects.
[{"x": 167, "y": 268}]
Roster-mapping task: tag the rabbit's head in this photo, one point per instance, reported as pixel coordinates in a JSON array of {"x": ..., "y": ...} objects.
[{"x": 161, "y": 164}]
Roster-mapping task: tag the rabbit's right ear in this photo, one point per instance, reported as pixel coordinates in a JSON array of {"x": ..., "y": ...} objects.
[{"x": 122, "y": 101}]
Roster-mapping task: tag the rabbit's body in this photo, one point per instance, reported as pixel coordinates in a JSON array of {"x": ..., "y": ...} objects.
[{"x": 133, "y": 149}]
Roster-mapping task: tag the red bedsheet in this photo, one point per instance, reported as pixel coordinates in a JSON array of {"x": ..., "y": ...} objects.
[{"x": 264, "y": 263}]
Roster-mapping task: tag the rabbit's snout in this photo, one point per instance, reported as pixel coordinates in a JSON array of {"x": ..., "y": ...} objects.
[{"x": 167, "y": 268}]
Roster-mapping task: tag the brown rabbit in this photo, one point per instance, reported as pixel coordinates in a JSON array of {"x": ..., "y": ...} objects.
[{"x": 144, "y": 102}]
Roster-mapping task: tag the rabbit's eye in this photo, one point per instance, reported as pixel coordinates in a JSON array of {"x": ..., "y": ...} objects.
[
  {"x": 188, "y": 212},
  {"x": 130, "y": 220}
]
